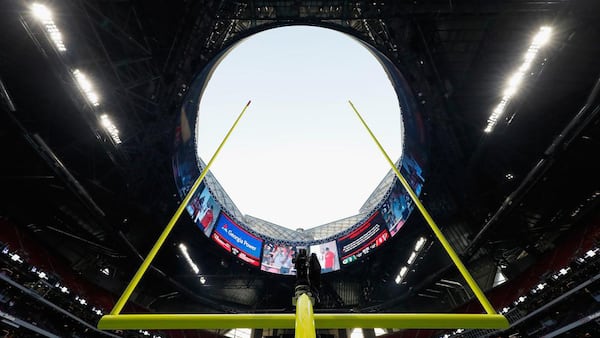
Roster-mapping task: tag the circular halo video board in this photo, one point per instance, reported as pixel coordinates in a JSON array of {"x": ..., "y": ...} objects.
[{"x": 220, "y": 220}]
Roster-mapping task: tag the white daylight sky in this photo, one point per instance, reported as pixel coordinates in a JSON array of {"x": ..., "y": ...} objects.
[{"x": 299, "y": 157}]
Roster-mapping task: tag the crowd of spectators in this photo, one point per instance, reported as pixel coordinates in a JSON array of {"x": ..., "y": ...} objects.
[
  {"x": 39, "y": 298},
  {"x": 560, "y": 298}
]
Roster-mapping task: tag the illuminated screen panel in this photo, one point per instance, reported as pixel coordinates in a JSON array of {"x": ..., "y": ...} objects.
[
  {"x": 204, "y": 210},
  {"x": 278, "y": 258},
  {"x": 363, "y": 240},
  {"x": 237, "y": 240},
  {"x": 327, "y": 253},
  {"x": 396, "y": 209}
]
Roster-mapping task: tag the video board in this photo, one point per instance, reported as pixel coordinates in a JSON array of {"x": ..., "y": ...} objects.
[
  {"x": 328, "y": 256},
  {"x": 398, "y": 206},
  {"x": 279, "y": 258},
  {"x": 204, "y": 210},
  {"x": 360, "y": 242},
  {"x": 237, "y": 241}
]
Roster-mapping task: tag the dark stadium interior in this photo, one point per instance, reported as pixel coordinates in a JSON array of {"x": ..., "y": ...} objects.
[{"x": 523, "y": 199}]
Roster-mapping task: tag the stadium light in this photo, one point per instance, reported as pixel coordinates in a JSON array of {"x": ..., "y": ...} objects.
[
  {"x": 86, "y": 86},
  {"x": 15, "y": 258},
  {"x": 193, "y": 265},
  {"x": 590, "y": 253},
  {"x": 412, "y": 258},
  {"x": 401, "y": 275},
  {"x": 420, "y": 243},
  {"x": 44, "y": 15},
  {"x": 41, "y": 12},
  {"x": 541, "y": 38},
  {"x": 81, "y": 300},
  {"x": 110, "y": 128}
]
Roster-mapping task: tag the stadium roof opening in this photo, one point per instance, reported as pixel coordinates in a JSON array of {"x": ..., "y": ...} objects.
[{"x": 299, "y": 158}]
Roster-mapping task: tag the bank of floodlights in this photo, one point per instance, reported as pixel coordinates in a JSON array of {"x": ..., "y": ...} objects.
[
  {"x": 516, "y": 79},
  {"x": 44, "y": 15},
  {"x": 110, "y": 128},
  {"x": 191, "y": 263},
  {"x": 419, "y": 244}
]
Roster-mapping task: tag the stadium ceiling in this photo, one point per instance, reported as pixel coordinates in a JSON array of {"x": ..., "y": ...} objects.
[{"x": 503, "y": 198}]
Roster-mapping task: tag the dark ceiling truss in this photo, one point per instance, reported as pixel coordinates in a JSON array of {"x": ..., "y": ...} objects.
[
  {"x": 63, "y": 72},
  {"x": 115, "y": 49},
  {"x": 126, "y": 50}
]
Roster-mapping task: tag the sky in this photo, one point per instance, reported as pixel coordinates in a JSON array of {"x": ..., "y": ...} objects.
[{"x": 299, "y": 157}]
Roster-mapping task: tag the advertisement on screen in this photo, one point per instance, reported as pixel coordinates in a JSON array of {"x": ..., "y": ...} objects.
[
  {"x": 237, "y": 240},
  {"x": 279, "y": 258},
  {"x": 204, "y": 210},
  {"x": 363, "y": 240},
  {"x": 327, "y": 253},
  {"x": 396, "y": 209}
]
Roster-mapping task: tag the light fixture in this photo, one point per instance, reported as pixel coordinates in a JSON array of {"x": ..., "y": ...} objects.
[
  {"x": 401, "y": 275},
  {"x": 590, "y": 253},
  {"x": 191, "y": 263},
  {"x": 420, "y": 243},
  {"x": 202, "y": 280},
  {"x": 44, "y": 15},
  {"x": 86, "y": 86},
  {"x": 412, "y": 257},
  {"x": 540, "y": 39},
  {"x": 41, "y": 12},
  {"x": 15, "y": 258},
  {"x": 379, "y": 331},
  {"x": 110, "y": 128},
  {"x": 81, "y": 300}
]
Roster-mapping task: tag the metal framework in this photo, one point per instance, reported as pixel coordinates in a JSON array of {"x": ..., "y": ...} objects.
[{"x": 304, "y": 321}]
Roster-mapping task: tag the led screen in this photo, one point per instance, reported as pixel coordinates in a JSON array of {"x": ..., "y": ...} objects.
[
  {"x": 204, "y": 210},
  {"x": 278, "y": 258},
  {"x": 363, "y": 240},
  {"x": 327, "y": 253},
  {"x": 237, "y": 240},
  {"x": 396, "y": 209}
]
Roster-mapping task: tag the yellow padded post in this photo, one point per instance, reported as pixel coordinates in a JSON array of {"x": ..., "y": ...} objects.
[
  {"x": 436, "y": 230},
  {"x": 163, "y": 236}
]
